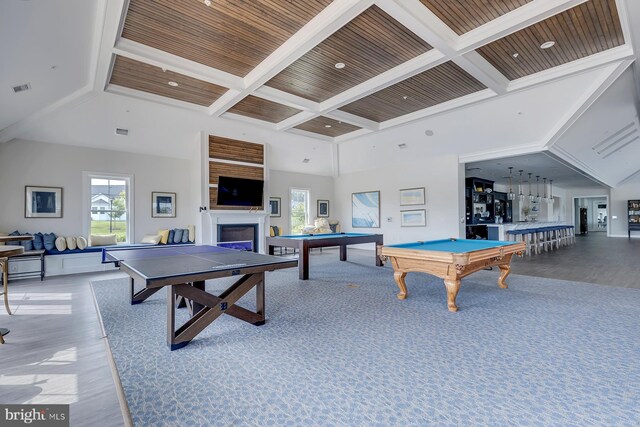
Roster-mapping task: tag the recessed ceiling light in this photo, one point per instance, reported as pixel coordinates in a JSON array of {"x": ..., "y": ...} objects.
[
  {"x": 207, "y": 2},
  {"x": 173, "y": 84},
  {"x": 327, "y": 126},
  {"x": 339, "y": 65},
  {"x": 428, "y": 132},
  {"x": 405, "y": 97},
  {"x": 547, "y": 45},
  {"x": 515, "y": 55}
]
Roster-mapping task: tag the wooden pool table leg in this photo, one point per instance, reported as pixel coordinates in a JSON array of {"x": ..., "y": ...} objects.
[
  {"x": 505, "y": 269},
  {"x": 399, "y": 276},
  {"x": 453, "y": 286}
]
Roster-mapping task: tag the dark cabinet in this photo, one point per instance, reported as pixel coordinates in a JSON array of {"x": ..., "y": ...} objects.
[
  {"x": 479, "y": 201},
  {"x": 633, "y": 212},
  {"x": 584, "y": 222}
]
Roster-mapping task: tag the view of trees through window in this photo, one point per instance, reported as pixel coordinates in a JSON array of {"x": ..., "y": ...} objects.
[
  {"x": 299, "y": 210},
  {"x": 109, "y": 207}
]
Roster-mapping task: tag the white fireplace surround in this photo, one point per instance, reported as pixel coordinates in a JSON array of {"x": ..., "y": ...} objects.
[{"x": 210, "y": 236}]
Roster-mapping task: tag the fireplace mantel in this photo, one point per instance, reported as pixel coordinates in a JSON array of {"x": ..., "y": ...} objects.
[{"x": 210, "y": 236}]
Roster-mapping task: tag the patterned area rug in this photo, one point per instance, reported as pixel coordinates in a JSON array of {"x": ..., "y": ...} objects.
[{"x": 341, "y": 349}]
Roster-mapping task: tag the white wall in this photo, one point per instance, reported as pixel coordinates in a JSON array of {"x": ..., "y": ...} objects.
[
  {"x": 279, "y": 184},
  {"x": 34, "y": 163},
  {"x": 443, "y": 178}
]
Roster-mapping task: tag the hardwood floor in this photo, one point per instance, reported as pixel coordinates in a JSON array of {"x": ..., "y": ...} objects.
[
  {"x": 56, "y": 352},
  {"x": 595, "y": 258}
]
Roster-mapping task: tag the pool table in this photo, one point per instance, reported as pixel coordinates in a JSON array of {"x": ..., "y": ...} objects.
[
  {"x": 304, "y": 242},
  {"x": 451, "y": 260}
]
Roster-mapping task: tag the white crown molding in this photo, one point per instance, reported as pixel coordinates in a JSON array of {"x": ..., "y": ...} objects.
[
  {"x": 310, "y": 134},
  {"x": 578, "y": 166},
  {"x": 146, "y": 96},
  {"x": 501, "y": 153},
  {"x": 351, "y": 135},
  {"x": 343, "y": 116},
  {"x": 250, "y": 120}
]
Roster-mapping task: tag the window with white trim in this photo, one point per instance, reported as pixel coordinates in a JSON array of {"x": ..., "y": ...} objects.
[{"x": 109, "y": 206}]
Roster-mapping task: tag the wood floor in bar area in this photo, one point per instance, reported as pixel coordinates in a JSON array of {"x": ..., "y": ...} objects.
[{"x": 56, "y": 352}]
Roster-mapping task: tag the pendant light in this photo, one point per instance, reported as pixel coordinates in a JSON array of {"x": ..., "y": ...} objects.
[
  {"x": 531, "y": 196},
  {"x": 520, "y": 195},
  {"x": 538, "y": 198},
  {"x": 544, "y": 187},
  {"x": 550, "y": 200},
  {"x": 511, "y": 194}
]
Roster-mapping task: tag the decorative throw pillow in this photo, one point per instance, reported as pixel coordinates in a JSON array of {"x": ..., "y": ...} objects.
[
  {"x": 102, "y": 239},
  {"x": 28, "y": 244},
  {"x": 272, "y": 231},
  {"x": 177, "y": 235},
  {"x": 192, "y": 233},
  {"x": 49, "y": 241},
  {"x": 81, "y": 242},
  {"x": 61, "y": 243},
  {"x": 38, "y": 242},
  {"x": 276, "y": 230},
  {"x": 72, "y": 243},
  {"x": 170, "y": 238},
  {"x": 164, "y": 236},
  {"x": 151, "y": 238},
  {"x": 14, "y": 242},
  {"x": 185, "y": 235}
]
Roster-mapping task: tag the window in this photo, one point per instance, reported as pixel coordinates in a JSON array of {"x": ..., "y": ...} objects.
[
  {"x": 109, "y": 202},
  {"x": 299, "y": 210}
]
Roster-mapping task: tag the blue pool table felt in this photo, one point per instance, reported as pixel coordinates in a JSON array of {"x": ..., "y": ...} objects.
[{"x": 452, "y": 245}]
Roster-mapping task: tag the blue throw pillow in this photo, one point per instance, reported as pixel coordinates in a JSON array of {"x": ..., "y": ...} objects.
[
  {"x": 49, "y": 241},
  {"x": 28, "y": 244},
  {"x": 38, "y": 241},
  {"x": 170, "y": 239},
  {"x": 276, "y": 230},
  {"x": 185, "y": 235},
  {"x": 177, "y": 235},
  {"x": 14, "y": 242}
]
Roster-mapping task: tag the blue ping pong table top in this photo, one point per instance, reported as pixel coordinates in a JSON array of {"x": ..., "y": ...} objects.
[{"x": 159, "y": 262}]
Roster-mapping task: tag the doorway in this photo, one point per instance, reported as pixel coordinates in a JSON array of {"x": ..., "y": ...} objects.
[{"x": 591, "y": 214}]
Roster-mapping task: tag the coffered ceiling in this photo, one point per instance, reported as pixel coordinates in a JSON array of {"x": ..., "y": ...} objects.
[{"x": 335, "y": 70}]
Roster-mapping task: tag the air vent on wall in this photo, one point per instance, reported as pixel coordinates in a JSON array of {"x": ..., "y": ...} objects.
[
  {"x": 22, "y": 88},
  {"x": 120, "y": 131}
]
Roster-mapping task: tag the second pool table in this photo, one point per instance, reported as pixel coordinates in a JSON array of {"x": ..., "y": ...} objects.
[{"x": 451, "y": 260}]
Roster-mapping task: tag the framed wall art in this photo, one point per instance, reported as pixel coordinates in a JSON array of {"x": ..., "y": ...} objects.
[
  {"x": 163, "y": 205},
  {"x": 365, "y": 209},
  {"x": 274, "y": 206},
  {"x": 412, "y": 196},
  {"x": 413, "y": 218},
  {"x": 323, "y": 209},
  {"x": 42, "y": 202}
]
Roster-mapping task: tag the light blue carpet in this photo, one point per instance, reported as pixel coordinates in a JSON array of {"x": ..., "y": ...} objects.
[{"x": 341, "y": 350}]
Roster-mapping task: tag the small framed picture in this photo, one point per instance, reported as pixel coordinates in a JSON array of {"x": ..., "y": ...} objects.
[
  {"x": 163, "y": 205},
  {"x": 274, "y": 206},
  {"x": 414, "y": 218},
  {"x": 323, "y": 209},
  {"x": 412, "y": 196},
  {"x": 42, "y": 202}
]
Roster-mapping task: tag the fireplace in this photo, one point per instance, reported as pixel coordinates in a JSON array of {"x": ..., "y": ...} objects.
[{"x": 239, "y": 236}]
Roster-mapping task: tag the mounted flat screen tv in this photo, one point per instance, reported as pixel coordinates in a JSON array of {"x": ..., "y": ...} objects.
[{"x": 240, "y": 191}]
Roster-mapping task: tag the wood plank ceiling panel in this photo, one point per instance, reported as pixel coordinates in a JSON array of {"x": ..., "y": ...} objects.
[
  {"x": 151, "y": 79},
  {"x": 432, "y": 87},
  {"x": 262, "y": 109},
  {"x": 221, "y": 148},
  {"x": 579, "y": 32},
  {"x": 232, "y": 36},
  {"x": 327, "y": 127},
  {"x": 463, "y": 16},
  {"x": 370, "y": 44}
]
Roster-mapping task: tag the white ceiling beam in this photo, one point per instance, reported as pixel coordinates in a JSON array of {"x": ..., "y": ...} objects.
[
  {"x": 478, "y": 67},
  {"x": 511, "y": 22},
  {"x": 168, "y": 61},
  {"x": 500, "y": 153},
  {"x": 285, "y": 98},
  {"x": 343, "y": 116},
  {"x": 299, "y": 118},
  {"x": 331, "y": 19}
]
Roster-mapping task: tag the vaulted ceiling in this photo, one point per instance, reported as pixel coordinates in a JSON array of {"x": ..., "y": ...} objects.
[{"x": 316, "y": 71}]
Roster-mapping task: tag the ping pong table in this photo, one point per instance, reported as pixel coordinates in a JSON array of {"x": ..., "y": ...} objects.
[{"x": 184, "y": 271}]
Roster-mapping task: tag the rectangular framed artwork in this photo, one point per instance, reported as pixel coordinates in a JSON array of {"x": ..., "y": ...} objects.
[
  {"x": 323, "y": 209},
  {"x": 274, "y": 206},
  {"x": 365, "y": 209},
  {"x": 42, "y": 202},
  {"x": 412, "y": 196},
  {"x": 163, "y": 205},
  {"x": 413, "y": 218}
]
